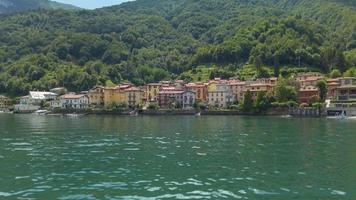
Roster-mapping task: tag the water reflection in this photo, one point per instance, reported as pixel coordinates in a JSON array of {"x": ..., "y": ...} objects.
[{"x": 175, "y": 157}]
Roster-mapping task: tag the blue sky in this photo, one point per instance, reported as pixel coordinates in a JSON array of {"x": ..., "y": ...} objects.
[{"x": 91, "y": 4}]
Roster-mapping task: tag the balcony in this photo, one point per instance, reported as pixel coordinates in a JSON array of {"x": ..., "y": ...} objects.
[{"x": 343, "y": 97}]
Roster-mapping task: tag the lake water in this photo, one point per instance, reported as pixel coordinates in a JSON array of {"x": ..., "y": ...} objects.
[{"x": 176, "y": 157}]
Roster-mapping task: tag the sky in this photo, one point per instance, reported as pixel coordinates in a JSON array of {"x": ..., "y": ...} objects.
[{"x": 92, "y": 4}]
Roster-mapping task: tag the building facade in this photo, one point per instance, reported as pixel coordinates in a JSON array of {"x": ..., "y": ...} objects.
[
  {"x": 308, "y": 94},
  {"x": 74, "y": 101},
  {"x": 220, "y": 95},
  {"x": 96, "y": 96},
  {"x": 5, "y": 103},
  {"x": 188, "y": 100},
  {"x": 170, "y": 98}
]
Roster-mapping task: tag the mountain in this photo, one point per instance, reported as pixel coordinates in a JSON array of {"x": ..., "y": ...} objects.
[
  {"x": 150, "y": 40},
  {"x": 10, "y": 6}
]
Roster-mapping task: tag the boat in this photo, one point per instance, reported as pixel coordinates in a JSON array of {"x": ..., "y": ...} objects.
[
  {"x": 41, "y": 112},
  {"x": 133, "y": 113},
  {"x": 74, "y": 115},
  {"x": 198, "y": 114}
]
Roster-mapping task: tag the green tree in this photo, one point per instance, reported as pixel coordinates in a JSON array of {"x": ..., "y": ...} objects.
[
  {"x": 335, "y": 73},
  {"x": 247, "y": 105},
  {"x": 322, "y": 85},
  {"x": 285, "y": 92}
]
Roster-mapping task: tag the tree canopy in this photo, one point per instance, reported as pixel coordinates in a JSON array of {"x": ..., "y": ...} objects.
[{"x": 152, "y": 40}]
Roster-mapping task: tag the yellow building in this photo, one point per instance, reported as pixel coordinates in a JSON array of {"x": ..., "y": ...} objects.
[
  {"x": 152, "y": 91},
  {"x": 5, "y": 103},
  {"x": 115, "y": 95},
  {"x": 96, "y": 96},
  {"x": 134, "y": 96},
  {"x": 256, "y": 88}
]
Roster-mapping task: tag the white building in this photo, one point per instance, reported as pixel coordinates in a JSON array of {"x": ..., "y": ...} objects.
[
  {"x": 74, "y": 101},
  {"x": 33, "y": 101},
  {"x": 188, "y": 99}
]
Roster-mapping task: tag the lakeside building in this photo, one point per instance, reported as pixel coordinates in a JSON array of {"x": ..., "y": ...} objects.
[
  {"x": 308, "y": 79},
  {"x": 200, "y": 89},
  {"x": 258, "y": 87},
  {"x": 96, "y": 96},
  {"x": 346, "y": 92},
  {"x": 5, "y": 103},
  {"x": 152, "y": 90},
  {"x": 307, "y": 94},
  {"x": 74, "y": 101},
  {"x": 134, "y": 96},
  {"x": 34, "y": 101},
  {"x": 169, "y": 98},
  {"x": 332, "y": 85},
  {"x": 220, "y": 94},
  {"x": 188, "y": 100},
  {"x": 238, "y": 89},
  {"x": 344, "y": 97},
  {"x": 115, "y": 95}
]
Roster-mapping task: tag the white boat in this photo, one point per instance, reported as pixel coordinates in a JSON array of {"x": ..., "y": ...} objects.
[
  {"x": 198, "y": 114},
  {"x": 41, "y": 112},
  {"x": 75, "y": 115}
]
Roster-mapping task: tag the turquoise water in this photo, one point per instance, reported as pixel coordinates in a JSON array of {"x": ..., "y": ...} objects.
[{"x": 175, "y": 157}]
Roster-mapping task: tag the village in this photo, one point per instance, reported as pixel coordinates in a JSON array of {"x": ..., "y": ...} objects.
[{"x": 217, "y": 94}]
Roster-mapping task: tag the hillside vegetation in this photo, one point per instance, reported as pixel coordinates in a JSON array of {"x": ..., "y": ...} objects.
[
  {"x": 13, "y": 6},
  {"x": 151, "y": 40}
]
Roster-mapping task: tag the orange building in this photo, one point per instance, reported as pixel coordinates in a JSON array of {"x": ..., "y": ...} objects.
[
  {"x": 200, "y": 89},
  {"x": 306, "y": 94}
]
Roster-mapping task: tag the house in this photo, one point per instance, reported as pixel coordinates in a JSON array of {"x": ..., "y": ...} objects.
[
  {"x": 332, "y": 85},
  {"x": 339, "y": 88},
  {"x": 5, "y": 103},
  {"x": 169, "y": 98},
  {"x": 308, "y": 79},
  {"x": 200, "y": 89},
  {"x": 307, "y": 94},
  {"x": 34, "y": 101},
  {"x": 238, "y": 89},
  {"x": 96, "y": 96},
  {"x": 73, "y": 101},
  {"x": 188, "y": 99},
  {"x": 152, "y": 91},
  {"x": 115, "y": 95},
  {"x": 256, "y": 87},
  {"x": 344, "y": 97},
  {"x": 220, "y": 95},
  {"x": 134, "y": 96}
]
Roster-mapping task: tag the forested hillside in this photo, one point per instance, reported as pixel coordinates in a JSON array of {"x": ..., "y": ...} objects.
[
  {"x": 11, "y": 6},
  {"x": 151, "y": 40}
]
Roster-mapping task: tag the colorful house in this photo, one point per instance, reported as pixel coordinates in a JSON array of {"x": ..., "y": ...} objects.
[
  {"x": 169, "y": 98},
  {"x": 238, "y": 89},
  {"x": 134, "y": 96},
  {"x": 220, "y": 95},
  {"x": 255, "y": 88},
  {"x": 96, "y": 96},
  {"x": 308, "y": 79},
  {"x": 5, "y": 103},
  {"x": 200, "y": 90},
  {"x": 152, "y": 91},
  {"x": 115, "y": 95},
  {"x": 307, "y": 94}
]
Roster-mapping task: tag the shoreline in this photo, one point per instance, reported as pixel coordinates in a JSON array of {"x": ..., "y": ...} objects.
[{"x": 166, "y": 112}]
